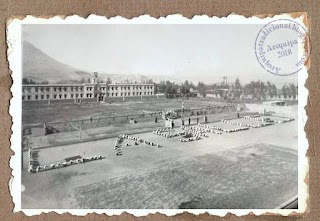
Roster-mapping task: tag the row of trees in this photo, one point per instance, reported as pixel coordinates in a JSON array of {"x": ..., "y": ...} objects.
[
  {"x": 30, "y": 81},
  {"x": 256, "y": 89}
]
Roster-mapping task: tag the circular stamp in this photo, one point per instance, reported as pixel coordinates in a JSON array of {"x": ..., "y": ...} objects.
[{"x": 282, "y": 47}]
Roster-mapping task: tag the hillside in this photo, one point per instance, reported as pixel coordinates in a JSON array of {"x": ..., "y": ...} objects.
[{"x": 40, "y": 67}]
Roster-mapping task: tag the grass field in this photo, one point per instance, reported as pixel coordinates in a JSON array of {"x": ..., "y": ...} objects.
[
  {"x": 256, "y": 168},
  {"x": 37, "y": 114}
]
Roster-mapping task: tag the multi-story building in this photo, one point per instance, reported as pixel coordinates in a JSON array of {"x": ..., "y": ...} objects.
[{"x": 94, "y": 91}]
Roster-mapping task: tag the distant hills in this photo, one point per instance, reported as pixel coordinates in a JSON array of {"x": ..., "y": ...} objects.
[{"x": 39, "y": 67}]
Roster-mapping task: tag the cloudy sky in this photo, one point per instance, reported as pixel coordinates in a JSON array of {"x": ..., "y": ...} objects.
[{"x": 194, "y": 52}]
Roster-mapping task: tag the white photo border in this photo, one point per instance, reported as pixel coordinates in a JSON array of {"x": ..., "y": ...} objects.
[{"x": 15, "y": 110}]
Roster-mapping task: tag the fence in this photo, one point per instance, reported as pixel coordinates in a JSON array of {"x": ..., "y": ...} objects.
[{"x": 96, "y": 122}]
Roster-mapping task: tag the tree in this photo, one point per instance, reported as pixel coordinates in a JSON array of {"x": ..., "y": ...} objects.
[
  {"x": 285, "y": 91},
  {"x": 185, "y": 88},
  {"x": 293, "y": 90},
  {"x": 109, "y": 81},
  {"x": 237, "y": 88},
  {"x": 202, "y": 88}
]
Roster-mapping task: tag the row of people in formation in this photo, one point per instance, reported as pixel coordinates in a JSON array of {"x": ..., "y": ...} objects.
[
  {"x": 212, "y": 129},
  {"x": 247, "y": 125},
  {"x": 168, "y": 135},
  {"x": 33, "y": 159},
  {"x": 284, "y": 120},
  {"x": 64, "y": 164},
  {"x": 137, "y": 140},
  {"x": 189, "y": 139},
  {"x": 236, "y": 129},
  {"x": 196, "y": 131},
  {"x": 118, "y": 145}
]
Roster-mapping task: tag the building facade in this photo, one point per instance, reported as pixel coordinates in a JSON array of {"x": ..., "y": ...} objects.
[{"x": 88, "y": 91}]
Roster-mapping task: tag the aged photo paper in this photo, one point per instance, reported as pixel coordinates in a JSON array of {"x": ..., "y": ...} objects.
[{"x": 165, "y": 115}]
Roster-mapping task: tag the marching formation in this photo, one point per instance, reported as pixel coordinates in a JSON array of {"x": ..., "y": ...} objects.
[
  {"x": 33, "y": 160},
  {"x": 161, "y": 132},
  {"x": 137, "y": 141},
  {"x": 283, "y": 121},
  {"x": 267, "y": 119},
  {"x": 212, "y": 129},
  {"x": 193, "y": 138},
  {"x": 246, "y": 125},
  {"x": 194, "y": 132},
  {"x": 35, "y": 167}
]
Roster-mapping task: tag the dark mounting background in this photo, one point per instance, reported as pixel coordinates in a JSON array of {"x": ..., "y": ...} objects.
[{"x": 157, "y": 8}]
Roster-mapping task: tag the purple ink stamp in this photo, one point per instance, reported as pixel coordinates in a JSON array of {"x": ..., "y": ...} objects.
[{"x": 281, "y": 47}]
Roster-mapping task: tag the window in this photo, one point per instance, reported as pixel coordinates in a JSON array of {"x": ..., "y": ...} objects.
[
  {"x": 37, "y": 89},
  {"x": 47, "y": 88},
  {"x": 29, "y": 97},
  {"x": 87, "y": 95},
  {"x": 55, "y": 89},
  {"x": 116, "y": 94},
  {"x": 121, "y": 94},
  {"x": 140, "y": 93},
  {"x": 112, "y": 94},
  {"x": 71, "y": 95},
  {"x": 60, "y": 96},
  {"x": 60, "y": 89},
  {"x": 76, "y": 89},
  {"x": 128, "y": 93},
  {"x": 151, "y": 93},
  {"x": 23, "y": 97},
  {"x": 125, "y": 94},
  {"x": 54, "y": 96},
  {"x": 133, "y": 93},
  {"x": 71, "y": 88},
  {"x": 42, "y": 97},
  {"x": 48, "y": 96},
  {"x": 144, "y": 93},
  {"x": 37, "y": 96},
  {"x": 81, "y": 95},
  {"x": 41, "y": 89},
  {"x": 65, "y": 96},
  {"x": 77, "y": 95}
]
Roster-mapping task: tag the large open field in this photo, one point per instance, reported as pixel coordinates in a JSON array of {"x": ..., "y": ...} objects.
[
  {"x": 41, "y": 114},
  {"x": 256, "y": 168}
]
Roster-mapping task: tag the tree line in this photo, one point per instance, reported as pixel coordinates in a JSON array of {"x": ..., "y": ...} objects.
[{"x": 258, "y": 90}]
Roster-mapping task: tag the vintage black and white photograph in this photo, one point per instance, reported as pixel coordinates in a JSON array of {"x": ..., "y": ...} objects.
[{"x": 160, "y": 116}]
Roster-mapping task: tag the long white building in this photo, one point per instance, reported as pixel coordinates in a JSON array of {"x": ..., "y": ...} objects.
[{"x": 88, "y": 91}]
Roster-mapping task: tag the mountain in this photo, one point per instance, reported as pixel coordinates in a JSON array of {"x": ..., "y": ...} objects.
[{"x": 38, "y": 66}]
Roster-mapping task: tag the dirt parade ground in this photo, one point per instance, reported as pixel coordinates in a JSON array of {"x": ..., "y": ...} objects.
[{"x": 254, "y": 168}]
